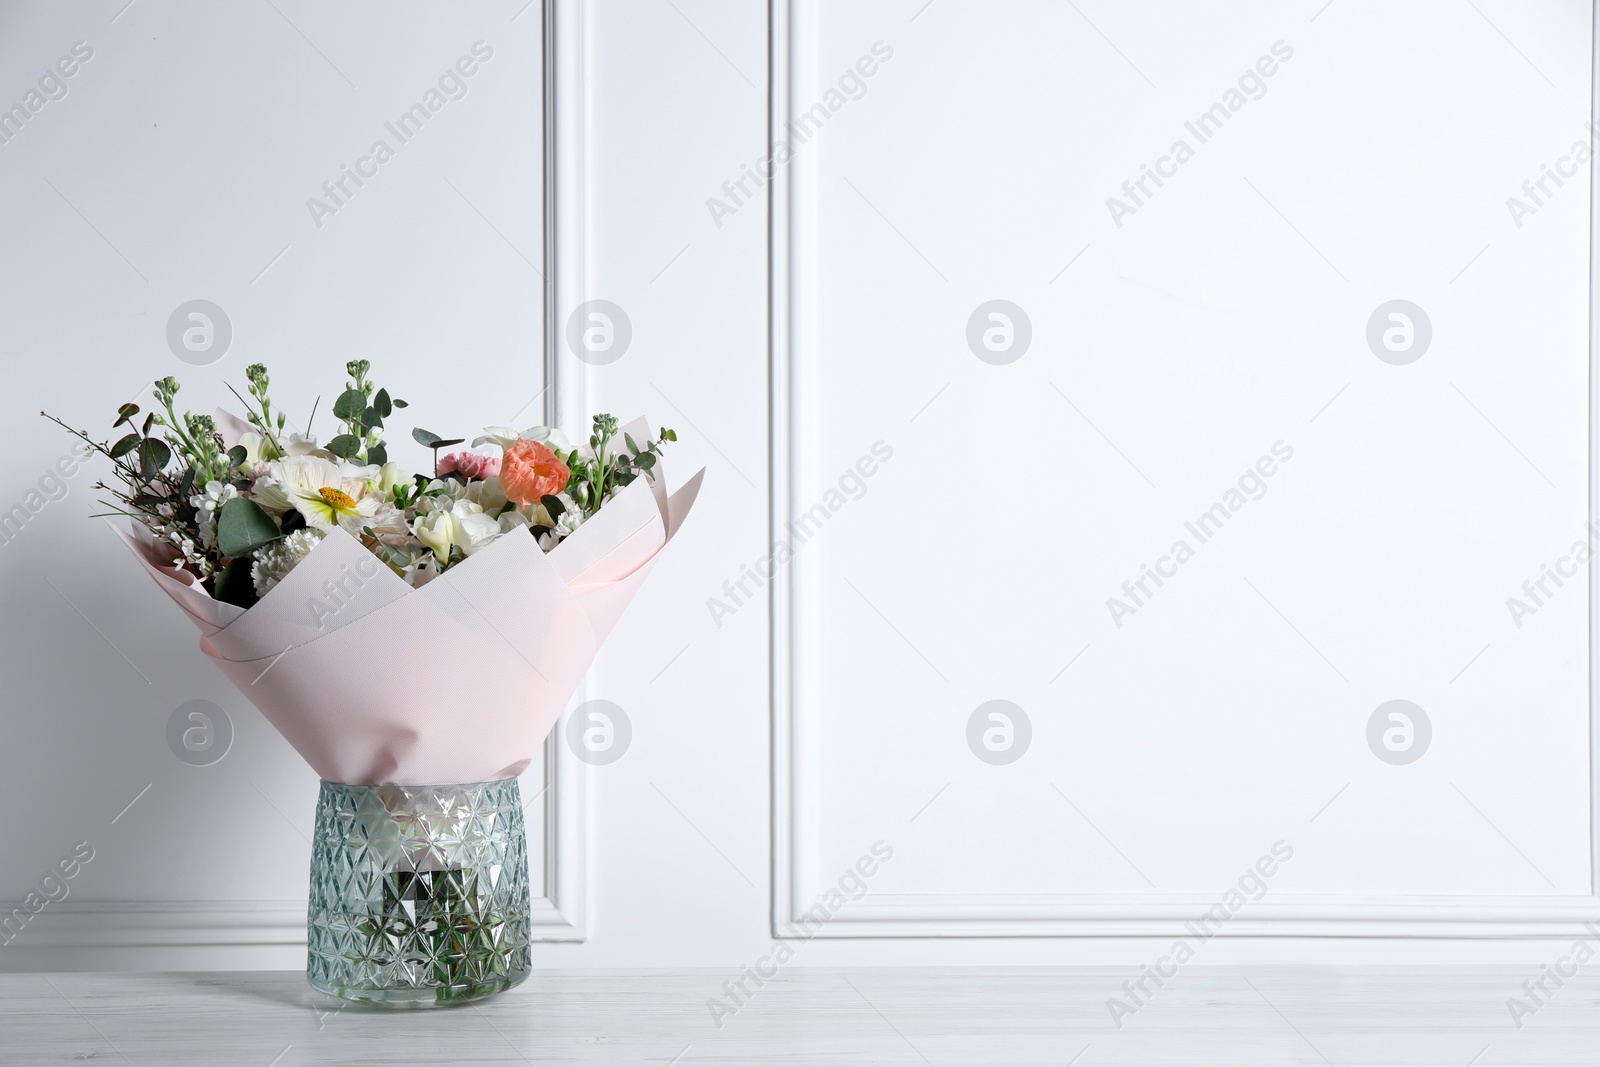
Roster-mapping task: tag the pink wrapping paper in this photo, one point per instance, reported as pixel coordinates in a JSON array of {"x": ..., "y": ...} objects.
[{"x": 373, "y": 681}]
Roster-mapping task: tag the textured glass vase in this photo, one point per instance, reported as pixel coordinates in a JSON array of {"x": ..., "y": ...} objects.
[{"x": 419, "y": 894}]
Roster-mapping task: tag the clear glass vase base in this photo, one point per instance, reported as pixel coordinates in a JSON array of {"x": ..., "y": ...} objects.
[
  {"x": 425, "y": 996},
  {"x": 419, "y": 894}
]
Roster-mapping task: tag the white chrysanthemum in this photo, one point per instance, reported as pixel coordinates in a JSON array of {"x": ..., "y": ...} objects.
[{"x": 275, "y": 561}]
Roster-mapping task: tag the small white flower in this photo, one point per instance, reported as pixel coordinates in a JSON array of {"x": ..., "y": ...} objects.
[
  {"x": 272, "y": 563},
  {"x": 570, "y": 520},
  {"x": 207, "y": 505}
]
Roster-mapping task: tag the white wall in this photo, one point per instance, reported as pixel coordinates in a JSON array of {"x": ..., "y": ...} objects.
[
  {"x": 680, "y": 840},
  {"x": 178, "y": 166}
]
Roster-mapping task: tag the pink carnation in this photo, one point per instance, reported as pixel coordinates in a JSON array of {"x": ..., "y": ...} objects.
[{"x": 469, "y": 465}]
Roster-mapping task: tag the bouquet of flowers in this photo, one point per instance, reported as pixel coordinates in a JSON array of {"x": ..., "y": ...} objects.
[
  {"x": 413, "y": 636},
  {"x": 314, "y": 570}
]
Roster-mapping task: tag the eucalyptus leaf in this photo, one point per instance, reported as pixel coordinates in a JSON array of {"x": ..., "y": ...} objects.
[
  {"x": 381, "y": 402},
  {"x": 400, "y": 403},
  {"x": 344, "y": 446},
  {"x": 371, "y": 419},
  {"x": 553, "y": 505},
  {"x": 425, "y": 438},
  {"x": 237, "y": 455},
  {"x": 124, "y": 446},
  {"x": 242, "y": 527},
  {"x": 153, "y": 456},
  {"x": 124, "y": 414},
  {"x": 234, "y": 584},
  {"x": 378, "y": 454},
  {"x": 350, "y": 405}
]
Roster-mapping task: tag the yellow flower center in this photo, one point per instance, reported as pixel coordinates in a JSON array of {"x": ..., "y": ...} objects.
[{"x": 336, "y": 498}]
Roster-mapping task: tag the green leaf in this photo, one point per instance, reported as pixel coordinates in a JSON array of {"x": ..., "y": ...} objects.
[
  {"x": 344, "y": 446},
  {"x": 124, "y": 446},
  {"x": 400, "y": 403},
  {"x": 236, "y": 456},
  {"x": 553, "y": 505},
  {"x": 668, "y": 435},
  {"x": 371, "y": 419},
  {"x": 631, "y": 446},
  {"x": 234, "y": 584},
  {"x": 645, "y": 461},
  {"x": 381, "y": 402},
  {"x": 242, "y": 527},
  {"x": 350, "y": 405},
  {"x": 125, "y": 413},
  {"x": 149, "y": 421},
  {"x": 378, "y": 454},
  {"x": 428, "y": 439},
  {"x": 153, "y": 456},
  {"x": 397, "y": 560}
]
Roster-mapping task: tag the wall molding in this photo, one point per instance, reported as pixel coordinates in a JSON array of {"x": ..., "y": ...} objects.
[{"x": 792, "y": 43}]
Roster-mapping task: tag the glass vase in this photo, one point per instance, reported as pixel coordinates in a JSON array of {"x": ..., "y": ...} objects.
[{"x": 419, "y": 894}]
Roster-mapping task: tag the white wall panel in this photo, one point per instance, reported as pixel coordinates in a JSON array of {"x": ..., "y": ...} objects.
[{"x": 1182, "y": 333}]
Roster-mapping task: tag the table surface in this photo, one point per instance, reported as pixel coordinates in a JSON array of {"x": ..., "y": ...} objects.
[{"x": 924, "y": 1017}]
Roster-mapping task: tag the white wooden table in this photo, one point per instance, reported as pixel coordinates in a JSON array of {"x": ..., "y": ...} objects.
[{"x": 915, "y": 1017}]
